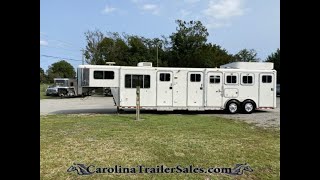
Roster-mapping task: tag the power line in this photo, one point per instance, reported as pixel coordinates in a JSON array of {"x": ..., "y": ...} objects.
[
  {"x": 59, "y": 57},
  {"x": 60, "y": 48},
  {"x": 57, "y": 40}
]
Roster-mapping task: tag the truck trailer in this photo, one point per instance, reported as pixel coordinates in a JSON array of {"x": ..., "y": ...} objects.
[{"x": 235, "y": 87}]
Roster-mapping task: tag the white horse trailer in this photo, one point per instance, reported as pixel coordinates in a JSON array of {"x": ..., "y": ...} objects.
[{"x": 239, "y": 86}]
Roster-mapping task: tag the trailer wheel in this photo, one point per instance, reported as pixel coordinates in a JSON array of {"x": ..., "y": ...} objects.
[
  {"x": 248, "y": 107},
  {"x": 233, "y": 106}
]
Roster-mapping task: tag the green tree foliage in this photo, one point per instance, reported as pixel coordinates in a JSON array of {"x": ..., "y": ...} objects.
[
  {"x": 246, "y": 55},
  {"x": 187, "y": 47},
  {"x": 213, "y": 55},
  {"x": 275, "y": 58},
  {"x": 43, "y": 76},
  {"x": 123, "y": 50},
  {"x": 93, "y": 52},
  {"x": 190, "y": 47},
  {"x": 61, "y": 69},
  {"x": 187, "y": 44}
]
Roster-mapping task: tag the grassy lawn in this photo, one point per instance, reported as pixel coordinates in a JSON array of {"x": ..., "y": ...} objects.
[
  {"x": 170, "y": 140},
  {"x": 43, "y": 88}
]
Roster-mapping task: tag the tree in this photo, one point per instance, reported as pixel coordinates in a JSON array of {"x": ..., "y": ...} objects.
[
  {"x": 93, "y": 51},
  {"x": 214, "y": 56},
  {"x": 246, "y": 55},
  {"x": 187, "y": 43},
  {"x": 275, "y": 58},
  {"x": 61, "y": 69},
  {"x": 43, "y": 77}
]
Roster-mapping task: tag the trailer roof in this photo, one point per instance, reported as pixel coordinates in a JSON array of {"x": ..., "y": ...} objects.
[
  {"x": 239, "y": 66},
  {"x": 249, "y": 65}
]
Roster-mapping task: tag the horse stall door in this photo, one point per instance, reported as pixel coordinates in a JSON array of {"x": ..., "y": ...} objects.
[
  {"x": 266, "y": 90},
  {"x": 164, "y": 88},
  {"x": 195, "y": 89},
  {"x": 214, "y": 89}
]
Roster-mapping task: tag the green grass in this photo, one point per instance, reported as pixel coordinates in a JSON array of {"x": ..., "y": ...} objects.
[
  {"x": 43, "y": 88},
  {"x": 170, "y": 140}
]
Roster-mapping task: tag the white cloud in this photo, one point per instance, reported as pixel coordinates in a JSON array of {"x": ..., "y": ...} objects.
[
  {"x": 149, "y": 7},
  {"x": 219, "y": 12},
  {"x": 224, "y": 9},
  {"x": 153, "y": 8},
  {"x": 43, "y": 43},
  {"x": 108, "y": 9},
  {"x": 136, "y": 1},
  {"x": 184, "y": 13},
  {"x": 191, "y": 1}
]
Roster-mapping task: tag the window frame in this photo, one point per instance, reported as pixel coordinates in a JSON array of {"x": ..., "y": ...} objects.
[
  {"x": 195, "y": 77},
  {"x": 131, "y": 81},
  {"x": 266, "y": 79},
  {"x": 165, "y": 79},
  {"x": 231, "y": 74},
  {"x": 97, "y": 71},
  {"x": 214, "y": 82},
  {"x": 103, "y": 75},
  {"x": 247, "y": 75}
]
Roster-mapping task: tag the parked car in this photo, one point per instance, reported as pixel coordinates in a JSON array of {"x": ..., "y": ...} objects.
[
  {"x": 62, "y": 87},
  {"x": 52, "y": 90},
  {"x": 278, "y": 89}
]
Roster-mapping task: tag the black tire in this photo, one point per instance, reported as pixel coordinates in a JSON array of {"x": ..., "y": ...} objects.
[
  {"x": 248, "y": 107},
  {"x": 233, "y": 106}
]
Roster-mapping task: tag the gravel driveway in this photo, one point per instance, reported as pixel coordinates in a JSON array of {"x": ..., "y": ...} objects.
[{"x": 105, "y": 105}]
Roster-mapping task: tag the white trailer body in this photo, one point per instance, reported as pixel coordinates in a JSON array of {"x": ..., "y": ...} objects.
[{"x": 237, "y": 86}]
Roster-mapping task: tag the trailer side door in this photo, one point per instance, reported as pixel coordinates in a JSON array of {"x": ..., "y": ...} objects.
[
  {"x": 195, "y": 89},
  {"x": 266, "y": 90},
  {"x": 214, "y": 89},
  {"x": 164, "y": 88}
]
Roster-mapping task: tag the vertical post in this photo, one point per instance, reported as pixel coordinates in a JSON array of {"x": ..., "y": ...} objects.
[
  {"x": 157, "y": 53},
  {"x": 82, "y": 56},
  {"x": 138, "y": 103}
]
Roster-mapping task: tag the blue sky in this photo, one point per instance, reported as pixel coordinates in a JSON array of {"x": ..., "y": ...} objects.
[{"x": 232, "y": 24}]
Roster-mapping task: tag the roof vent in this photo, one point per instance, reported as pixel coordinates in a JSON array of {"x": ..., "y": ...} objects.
[
  {"x": 145, "y": 64},
  {"x": 110, "y": 63}
]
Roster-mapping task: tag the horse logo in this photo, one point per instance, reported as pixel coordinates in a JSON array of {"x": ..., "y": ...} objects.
[
  {"x": 239, "y": 168},
  {"x": 80, "y": 168}
]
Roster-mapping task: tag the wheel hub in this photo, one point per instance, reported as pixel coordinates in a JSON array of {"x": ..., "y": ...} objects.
[
  {"x": 248, "y": 107},
  {"x": 233, "y": 107}
]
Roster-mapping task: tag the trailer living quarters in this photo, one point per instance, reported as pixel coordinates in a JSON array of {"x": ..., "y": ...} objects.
[{"x": 239, "y": 86}]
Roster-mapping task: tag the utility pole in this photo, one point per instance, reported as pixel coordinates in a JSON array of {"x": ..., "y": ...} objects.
[
  {"x": 157, "y": 53},
  {"x": 157, "y": 43},
  {"x": 82, "y": 50}
]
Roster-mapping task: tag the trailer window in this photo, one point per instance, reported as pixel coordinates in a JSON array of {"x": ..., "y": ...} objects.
[
  {"x": 215, "y": 79},
  {"x": 164, "y": 77},
  {"x": 132, "y": 81},
  {"x": 98, "y": 74},
  {"x": 231, "y": 79},
  {"x": 195, "y": 77},
  {"x": 103, "y": 75},
  {"x": 146, "y": 81},
  {"x": 127, "y": 81},
  {"x": 247, "y": 79},
  {"x": 266, "y": 79},
  {"x": 108, "y": 75},
  {"x": 137, "y": 80}
]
